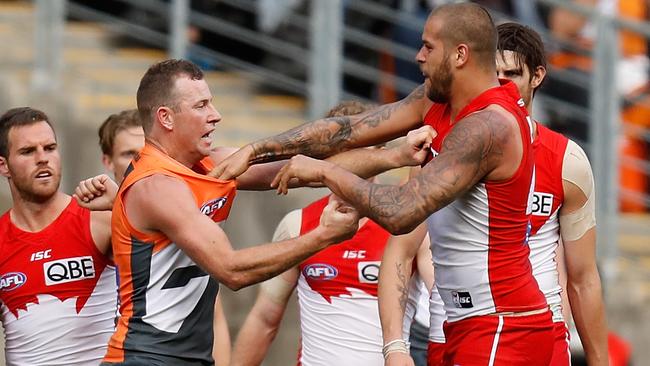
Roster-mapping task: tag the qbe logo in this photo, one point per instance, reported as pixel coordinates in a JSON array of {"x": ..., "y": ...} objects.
[
  {"x": 542, "y": 204},
  {"x": 320, "y": 271},
  {"x": 462, "y": 299},
  {"x": 12, "y": 280},
  {"x": 68, "y": 270},
  {"x": 368, "y": 272}
]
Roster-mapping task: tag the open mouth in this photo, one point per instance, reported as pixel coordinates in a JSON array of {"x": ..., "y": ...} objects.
[{"x": 43, "y": 174}]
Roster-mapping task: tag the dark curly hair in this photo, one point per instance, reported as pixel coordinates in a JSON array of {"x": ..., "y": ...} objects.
[{"x": 524, "y": 42}]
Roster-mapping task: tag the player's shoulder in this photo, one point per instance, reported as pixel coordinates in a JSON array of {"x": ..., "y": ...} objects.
[
  {"x": 156, "y": 181},
  {"x": 101, "y": 217},
  {"x": 493, "y": 123},
  {"x": 494, "y": 114},
  {"x": 291, "y": 217},
  {"x": 576, "y": 168},
  {"x": 289, "y": 227},
  {"x": 575, "y": 156}
]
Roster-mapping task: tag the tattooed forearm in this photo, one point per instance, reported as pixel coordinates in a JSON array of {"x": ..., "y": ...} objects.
[
  {"x": 318, "y": 139},
  {"x": 468, "y": 153},
  {"x": 402, "y": 287},
  {"x": 325, "y": 137},
  {"x": 373, "y": 118}
]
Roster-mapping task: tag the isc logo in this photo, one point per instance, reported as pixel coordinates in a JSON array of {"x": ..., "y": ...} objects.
[
  {"x": 353, "y": 254},
  {"x": 43, "y": 254},
  {"x": 211, "y": 206},
  {"x": 462, "y": 299},
  {"x": 12, "y": 280},
  {"x": 542, "y": 204},
  {"x": 320, "y": 271},
  {"x": 68, "y": 270}
]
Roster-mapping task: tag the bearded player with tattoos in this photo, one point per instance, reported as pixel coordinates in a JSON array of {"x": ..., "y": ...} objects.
[{"x": 479, "y": 183}]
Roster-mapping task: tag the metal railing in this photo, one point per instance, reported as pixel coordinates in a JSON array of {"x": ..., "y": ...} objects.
[{"x": 326, "y": 31}]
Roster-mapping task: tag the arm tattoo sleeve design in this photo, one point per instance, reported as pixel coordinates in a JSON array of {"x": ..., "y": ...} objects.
[
  {"x": 465, "y": 159},
  {"x": 324, "y": 137},
  {"x": 402, "y": 287}
]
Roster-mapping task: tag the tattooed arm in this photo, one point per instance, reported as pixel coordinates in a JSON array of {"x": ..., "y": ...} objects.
[
  {"x": 486, "y": 144},
  {"x": 325, "y": 137},
  {"x": 394, "y": 277}
]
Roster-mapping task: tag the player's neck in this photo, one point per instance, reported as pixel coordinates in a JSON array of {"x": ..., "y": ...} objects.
[
  {"x": 467, "y": 86},
  {"x": 178, "y": 153},
  {"x": 34, "y": 217}
]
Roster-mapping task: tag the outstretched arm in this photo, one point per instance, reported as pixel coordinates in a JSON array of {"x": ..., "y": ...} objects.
[
  {"x": 325, "y": 137},
  {"x": 480, "y": 144},
  {"x": 205, "y": 242},
  {"x": 577, "y": 226},
  {"x": 364, "y": 162}
]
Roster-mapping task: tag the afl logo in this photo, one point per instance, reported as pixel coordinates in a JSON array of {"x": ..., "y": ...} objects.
[
  {"x": 320, "y": 271},
  {"x": 12, "y": 280},
  {"x": 211, "y": 206}
]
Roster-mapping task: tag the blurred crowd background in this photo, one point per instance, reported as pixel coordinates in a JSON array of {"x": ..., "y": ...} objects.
[{"x": 273, "y": 64}]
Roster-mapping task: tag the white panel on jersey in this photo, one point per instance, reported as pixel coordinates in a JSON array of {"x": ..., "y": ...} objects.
[
  {"x": 47, "y": 333},
  {"x": 543, "y": 246},
  {"x": 459, "y": 245},
  {"x": 182, "y": 300},
  {"x": 344, "y": 332}
]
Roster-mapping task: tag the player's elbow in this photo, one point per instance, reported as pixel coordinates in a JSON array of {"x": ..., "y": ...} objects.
[
  {"x": 234, "y": 285},
  {"x": 400, "y": 228},
  {"x": 234, "y": 281}
]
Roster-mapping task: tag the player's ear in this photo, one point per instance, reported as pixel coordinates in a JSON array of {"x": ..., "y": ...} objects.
[
  {"x": 461, "y": 56},
  {"x": 538, "y": 76},
  {"x": 4, "y": 168},
  {"x": 165, "y": 117}
]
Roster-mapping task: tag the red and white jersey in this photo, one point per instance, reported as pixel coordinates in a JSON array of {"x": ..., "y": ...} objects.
[
  {"x": 479, "y": 242},
  {"x": 550, "y": 148},
  {"x": 58, "y": 292},
  {"x": 337, "y": 294}
]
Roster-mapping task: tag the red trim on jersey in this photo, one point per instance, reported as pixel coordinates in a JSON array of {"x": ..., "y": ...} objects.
[
  {"x": 549, "y": 147},
  {"x": 352, "y": 263},
  {"x": 511, "y": 280},
  {"x": 67, "y": 237}
]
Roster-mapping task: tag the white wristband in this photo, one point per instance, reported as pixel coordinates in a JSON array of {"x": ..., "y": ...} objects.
[{"x": 396, "y": 345}]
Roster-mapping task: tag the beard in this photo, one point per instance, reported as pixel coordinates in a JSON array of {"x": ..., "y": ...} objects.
[
  {"x": 32, "y": 191},
  {"x": 440, "y": 82}
]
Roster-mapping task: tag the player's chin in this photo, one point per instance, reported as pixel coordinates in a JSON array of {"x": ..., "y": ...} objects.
[{"x": 42, "y": 194}]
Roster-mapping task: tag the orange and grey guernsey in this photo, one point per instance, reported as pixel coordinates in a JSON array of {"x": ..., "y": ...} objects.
[{"x": 166, "y": 299}]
